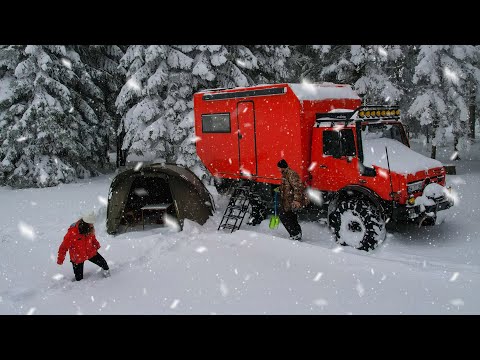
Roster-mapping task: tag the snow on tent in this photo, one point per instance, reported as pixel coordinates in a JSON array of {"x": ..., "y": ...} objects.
[{"x": 155, "y": 184}]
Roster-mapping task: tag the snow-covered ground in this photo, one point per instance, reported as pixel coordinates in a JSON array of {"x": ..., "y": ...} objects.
[{"x": 430, "y": 270}]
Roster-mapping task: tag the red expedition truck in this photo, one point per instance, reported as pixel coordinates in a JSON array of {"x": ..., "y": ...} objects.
[{"x": 355, "y": 160}]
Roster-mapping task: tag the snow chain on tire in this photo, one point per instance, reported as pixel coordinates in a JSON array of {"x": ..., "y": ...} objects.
[{"x": 359, "y": 216}]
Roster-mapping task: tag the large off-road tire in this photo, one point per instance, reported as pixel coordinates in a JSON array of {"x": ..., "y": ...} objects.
[{"x": 358, "y": 223}]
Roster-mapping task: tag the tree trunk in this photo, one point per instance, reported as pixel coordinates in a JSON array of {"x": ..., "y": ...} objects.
[
  {"x": 472, "y": 115},
  {"x": 434, "y": 136},
  {"x": 428, "y": 134},
  {"x": 455, "y": 149}
]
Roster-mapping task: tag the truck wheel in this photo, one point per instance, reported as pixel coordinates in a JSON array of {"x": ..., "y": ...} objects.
[{"x": 358, "y": 223}]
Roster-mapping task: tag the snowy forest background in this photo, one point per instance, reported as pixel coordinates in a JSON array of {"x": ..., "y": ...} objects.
[{"x": 65, "y": 108}]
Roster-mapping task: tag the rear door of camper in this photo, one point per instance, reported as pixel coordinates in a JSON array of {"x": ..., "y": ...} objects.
[{"x": 246, "y": 138}]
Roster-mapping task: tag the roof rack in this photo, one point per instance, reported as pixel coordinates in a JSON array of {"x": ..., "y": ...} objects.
[{"x": 364, "y": 113}]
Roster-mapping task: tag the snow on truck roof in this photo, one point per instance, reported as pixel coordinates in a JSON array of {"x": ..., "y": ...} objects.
[
  {"x": 323, "y": 91},
  {"x": 305, "y": 91}
]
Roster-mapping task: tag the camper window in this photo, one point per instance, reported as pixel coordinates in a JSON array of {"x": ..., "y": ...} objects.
[
  {"x": 339, "y": 143},
  {"x": 216, "y": 123}
]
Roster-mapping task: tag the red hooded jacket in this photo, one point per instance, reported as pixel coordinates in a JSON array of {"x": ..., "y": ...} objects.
[{"x": 81, "y": 247}]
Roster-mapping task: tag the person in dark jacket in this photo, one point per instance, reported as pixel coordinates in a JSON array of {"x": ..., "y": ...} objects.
[
  {"x": 291, "y": 197},
  {"x": 82, "y": 245}
]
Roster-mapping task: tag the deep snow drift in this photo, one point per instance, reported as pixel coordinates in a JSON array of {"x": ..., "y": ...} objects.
[{"x": 430, "y": 270}]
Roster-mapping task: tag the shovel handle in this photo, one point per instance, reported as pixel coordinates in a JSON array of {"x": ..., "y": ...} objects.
[{"x": 276, "y": 203}]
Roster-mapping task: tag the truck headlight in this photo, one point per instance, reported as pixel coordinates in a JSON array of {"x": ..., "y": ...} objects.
[{"x": 415, "y": 186}]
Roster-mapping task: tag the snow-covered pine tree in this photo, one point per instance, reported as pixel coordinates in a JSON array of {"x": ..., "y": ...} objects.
[
  {"x": 9, "y": 59},
  {"x": 102, "y": 63},
  {"x": 51, "y": 131},
  {"x": 444, "y": 76},
  {"x": 272, "y": 63},
  {"x": 157, "y": 100},
  {"x": 371, "y": 70}
]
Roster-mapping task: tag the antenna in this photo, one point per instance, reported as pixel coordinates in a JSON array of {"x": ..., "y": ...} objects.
[{"x": 389, "y": 174}]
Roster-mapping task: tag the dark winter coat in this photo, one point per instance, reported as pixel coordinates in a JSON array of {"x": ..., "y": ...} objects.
[
  {"x": 291, "y": 190},
  {"x": 81, "y": 247}
]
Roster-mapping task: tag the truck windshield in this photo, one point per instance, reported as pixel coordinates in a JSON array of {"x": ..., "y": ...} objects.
[{"x": 390, "y": 131}]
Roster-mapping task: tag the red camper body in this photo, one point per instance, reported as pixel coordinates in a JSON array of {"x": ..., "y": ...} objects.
[
  {"x": 244, "y": 132},
  {"x": 329, "y": 139}
]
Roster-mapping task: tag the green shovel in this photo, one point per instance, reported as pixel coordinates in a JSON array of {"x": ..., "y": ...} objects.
[{"x": 274, "y": 220}]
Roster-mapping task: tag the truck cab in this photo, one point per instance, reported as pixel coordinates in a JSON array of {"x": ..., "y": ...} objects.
[{"x": 368, "y": 175}]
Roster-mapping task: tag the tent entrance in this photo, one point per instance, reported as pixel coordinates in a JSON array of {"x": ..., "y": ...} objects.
[{"x": 148, "y": 190}]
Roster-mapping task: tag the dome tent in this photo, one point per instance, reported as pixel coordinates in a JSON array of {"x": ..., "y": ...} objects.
[{"x": 130, "y": 190}]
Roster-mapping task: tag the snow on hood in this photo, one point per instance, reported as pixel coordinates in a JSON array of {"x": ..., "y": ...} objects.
[
  {"x": 323, "y": 91},
  {"x": 403, "y": 160}
]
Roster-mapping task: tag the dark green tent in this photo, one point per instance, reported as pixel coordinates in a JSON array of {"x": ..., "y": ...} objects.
[{"x": 158, "y": 183}]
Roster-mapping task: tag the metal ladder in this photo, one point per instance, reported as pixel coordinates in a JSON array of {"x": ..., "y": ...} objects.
[{"x": 237, "y": 208}]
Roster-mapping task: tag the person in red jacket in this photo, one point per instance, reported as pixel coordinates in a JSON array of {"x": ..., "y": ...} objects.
[{"x": 81, "y": 243}]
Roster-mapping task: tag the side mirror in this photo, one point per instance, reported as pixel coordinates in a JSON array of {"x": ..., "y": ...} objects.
[{"x": 367, "y": 171}]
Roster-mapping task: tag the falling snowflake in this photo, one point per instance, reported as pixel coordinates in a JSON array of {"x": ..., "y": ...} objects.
[
  {"x": 235, "y": 271},
  {"x": 246, "y": 173},
  {"x": 195, "y": 139},
  {"x": 382, "y": 173},
  {"x": 21, "y": 138},
  {"x": 67, "y": 63},
  {"x": 384, "y": 277},
  {"x": 240, "y": 63},
  {"x": 174, "y": 304},
  {"x": 318, "y": 276},
  {"x": 26, "y": 230},
  {"x": 171, "y": 222},
  {"x": 93, "y": 299},
  {"x": 140, "y": 192},
  {"x": 312, "y": 166},
  {"x": 102, "y": 200},
  {"x": 457, "y": 302},
  {"x": 57, "y": 277},
  {"x": 382, "y": 51},
  {"x": 337, "y": 249},
  {"x": 144, "y": 291},
  {"x": 451, "y": 75},
  {"x": 360, "y": 288},
  {"x": 71, "y": 110},
  {"x": 201, "y": 249},
  {"x": 138, "y": 166},
  {"x": 320, "y": 302},
  {"x": 454, "y": 276},
  {"x": 454, "y": 155},
  {"x": 315, "y": 196},
  {"x": 372, "y": 271},
  {"x": 223, "y": 289},
  {"x": 133, "y": 84},
  {"x": 31, "y": 311},
  {"x": 33, "y": 203},
  {"x": 230, "y": 161},
  {"x": 288, "y": 264},
  {"x": 108, "y": 247}
]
